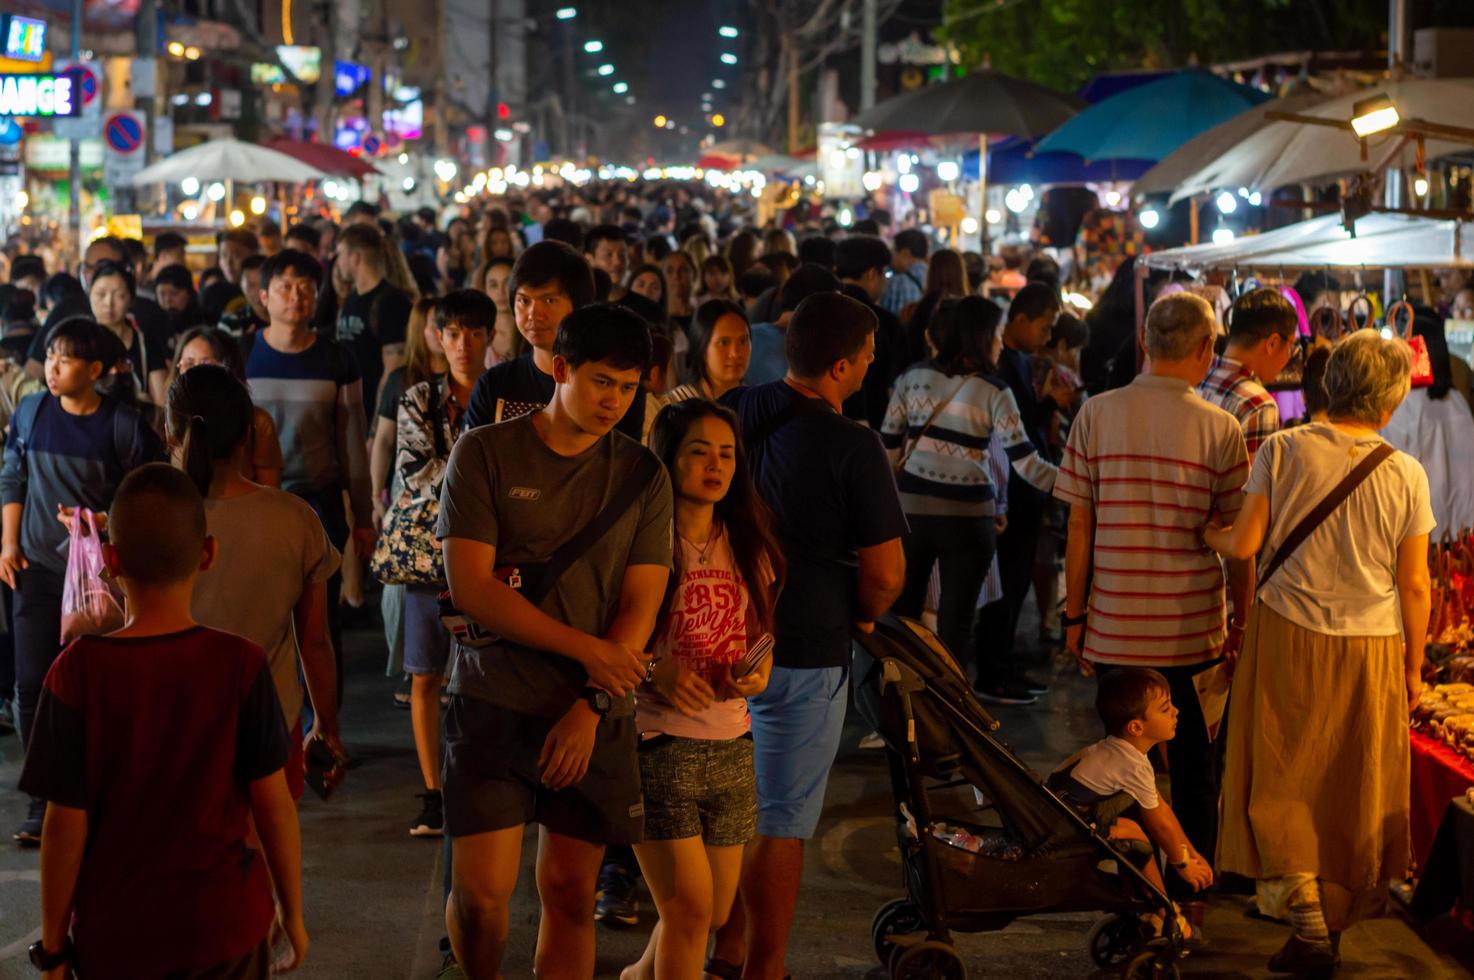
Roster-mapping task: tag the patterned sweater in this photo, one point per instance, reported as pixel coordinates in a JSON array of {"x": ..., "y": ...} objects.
[{"x": 946, "y": 473}]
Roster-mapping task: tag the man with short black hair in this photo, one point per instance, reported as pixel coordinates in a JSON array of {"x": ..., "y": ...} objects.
[
  {"x": 374, "y": 318},
  {"x": 540, "y": 726},
  {"x": 909, "y": 263},
  {"x": 1001, "y": 678},
  {"x": 310, "y": 386},
  {"x": 252, "y": 314},
  {"x": 549, "y": 281},
  {"x": 604, "y": 247},
  {"x": 860, "y": 262},
  {"x": 303, "y": 238},
  {"x": 1261, "y": 340},
  {"x": 170, "y": 248},
  {"x": 829, "y": 484},
  {"x": 817, "y": 250},
  {"x": 361, "y": 213}
]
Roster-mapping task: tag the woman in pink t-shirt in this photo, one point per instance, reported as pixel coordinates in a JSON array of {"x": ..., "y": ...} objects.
[{"x": 695, "y": 749}]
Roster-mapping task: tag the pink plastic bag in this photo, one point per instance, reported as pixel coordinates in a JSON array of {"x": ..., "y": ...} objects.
[{"x": 91, "y": 603}]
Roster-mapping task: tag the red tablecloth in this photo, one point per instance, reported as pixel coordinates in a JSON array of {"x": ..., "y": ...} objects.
[{"x": 1438, "y": 775}]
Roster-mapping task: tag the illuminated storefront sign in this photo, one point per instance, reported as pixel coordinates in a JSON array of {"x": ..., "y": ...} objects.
[
  {"x": 38, "y": 95},
  {"x": 25, "y": 38}
]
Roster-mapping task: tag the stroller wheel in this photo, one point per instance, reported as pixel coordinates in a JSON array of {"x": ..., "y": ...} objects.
[
  {"x": 1150, "y": 965},
  {"x": 1114, "y": 939},
  {"x": 929, "y": 960},
  {"x": 894, "y": 918}
]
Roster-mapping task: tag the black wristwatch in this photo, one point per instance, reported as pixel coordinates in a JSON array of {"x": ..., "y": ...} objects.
[
  {"x": 44, "y": 961},
  {"x": 599, "y": 700},
  {"x": 1072, "y": 621}
]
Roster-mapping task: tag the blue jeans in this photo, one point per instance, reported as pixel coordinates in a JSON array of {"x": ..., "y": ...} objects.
[{"x": 796, "y": 726}]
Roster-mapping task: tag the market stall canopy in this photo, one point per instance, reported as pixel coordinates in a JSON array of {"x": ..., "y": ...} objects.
[
  {"x": 1282, "y": 153},
  {"x": 228, "y": 159},
  {"x": 1148, "y": 122},
  {"x": 1015, "y": 161},
  {"x": 329, "y": 159},
  {"x": 1175, "y": 172},
  {"x": 1401, "y": 241},
  {"x": 981, "y": 102}
]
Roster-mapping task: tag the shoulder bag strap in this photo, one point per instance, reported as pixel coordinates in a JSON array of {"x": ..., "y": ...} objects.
[
  {"x": 435, "y": 419},
  {"x": 935, "y": 414},
  {"x": 575, "y": 547},
  {"x": 1322, "y": 510}
]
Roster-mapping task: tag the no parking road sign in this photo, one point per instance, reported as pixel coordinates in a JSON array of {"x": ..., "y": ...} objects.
[{"x": 123, "y": 133}]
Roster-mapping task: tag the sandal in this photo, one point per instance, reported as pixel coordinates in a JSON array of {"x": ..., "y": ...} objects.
[{"x": 722, "y": 970}]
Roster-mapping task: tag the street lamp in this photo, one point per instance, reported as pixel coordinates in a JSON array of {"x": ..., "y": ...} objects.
[
  {"x": 727, "y": 31},
  {"x": 660, "y": 122},
  {"x": 566, "y": 13},
  {"x": 719, "y": 120},
  {"x": 606, "y": 70},
  {"x": 729, "y": 59},
  {"x": 621, "y": 87},
  {"x": 718, "y": 83},
  {"x": 1373, "y": 115},
  {"x": 593, "y": 47}
]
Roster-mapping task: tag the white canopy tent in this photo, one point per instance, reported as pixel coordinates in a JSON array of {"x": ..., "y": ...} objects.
[
  {"x": 1400, "y": 241},
  {"x": 228, "y": 160},
  {"x": 1282, "y": 153}
]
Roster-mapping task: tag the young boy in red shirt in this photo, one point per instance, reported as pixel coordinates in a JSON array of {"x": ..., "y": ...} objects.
[{"x": 154, "y": 747}]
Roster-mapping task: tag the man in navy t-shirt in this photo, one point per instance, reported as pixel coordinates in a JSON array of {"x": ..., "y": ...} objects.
[{"x": 839, "y": 519}]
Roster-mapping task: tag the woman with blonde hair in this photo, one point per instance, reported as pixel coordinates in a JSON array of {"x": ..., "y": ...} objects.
[{"x": 1315, "y": 800}]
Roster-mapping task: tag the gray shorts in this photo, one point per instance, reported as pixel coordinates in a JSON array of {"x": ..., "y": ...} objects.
[{"x": 699, "y": 788}]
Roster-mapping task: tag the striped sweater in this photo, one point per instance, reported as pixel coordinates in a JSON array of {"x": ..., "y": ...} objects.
[{"x": 946, "y": 474}]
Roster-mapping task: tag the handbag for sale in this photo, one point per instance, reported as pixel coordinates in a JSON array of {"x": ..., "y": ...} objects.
[
  {"x": 1400, "y": 321},
  {"x": 406, "y": 552}
]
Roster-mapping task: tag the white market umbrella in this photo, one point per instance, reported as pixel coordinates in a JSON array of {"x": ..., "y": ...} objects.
[
  {"x": 228, "y": 160},
  {"x": 1283, "y": 153}
]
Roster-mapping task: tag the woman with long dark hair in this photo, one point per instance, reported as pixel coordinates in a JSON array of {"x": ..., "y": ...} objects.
[
  {"x": 211, "y": 345},
  {"x": 272, "y": 547},
  {"x": 942, "y": 414},
  {"x": 946, "y": 278},
  {"x": 721, "y": 347},
  {"x": 696, "y": 762}
]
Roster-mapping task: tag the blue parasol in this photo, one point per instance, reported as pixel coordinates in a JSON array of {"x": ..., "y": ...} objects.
[{"x": 1148, "y": 122}]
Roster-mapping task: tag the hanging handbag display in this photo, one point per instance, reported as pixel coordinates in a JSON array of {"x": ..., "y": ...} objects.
[{"x": 406, "y": 552}]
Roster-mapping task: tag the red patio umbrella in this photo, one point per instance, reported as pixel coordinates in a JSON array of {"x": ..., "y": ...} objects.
[{"x": 328, "y": 159}]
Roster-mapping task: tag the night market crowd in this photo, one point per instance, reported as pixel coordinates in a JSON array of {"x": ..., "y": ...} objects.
[{"x": 624, "y": 473}]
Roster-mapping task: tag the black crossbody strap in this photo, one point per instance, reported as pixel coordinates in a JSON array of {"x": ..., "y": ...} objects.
[
  {"x": 578, "y": 545},
  {"x": 1322, "y": 510}
]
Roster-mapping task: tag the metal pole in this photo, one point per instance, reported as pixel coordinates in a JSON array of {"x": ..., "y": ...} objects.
[
  {"x": 792, "y": 69},
  {"x": 1392, "y": 192},
  {"x": 74, "y": 181},
  {"x": 867, "y": 54}
]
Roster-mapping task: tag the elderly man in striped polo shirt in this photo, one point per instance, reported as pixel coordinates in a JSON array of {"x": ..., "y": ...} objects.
[{"x": 1146, "y": 467}]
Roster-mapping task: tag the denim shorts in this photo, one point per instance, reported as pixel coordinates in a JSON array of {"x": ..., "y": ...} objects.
[
  {"x": 796, "y": 727},
  {"x": 696, "y": 787},
  {"x": 426, "y": 640}
]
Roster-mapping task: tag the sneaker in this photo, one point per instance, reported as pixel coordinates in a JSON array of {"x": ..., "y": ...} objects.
[
  {"x": 872, "y": 741},
  {"x": 29, "y": 834},
  {"x": 1031, "y": 684},
  {"x": 431, "y": 820},
  {"x": 616, "y": 903},
  {"x": 1005, "y": 693}
]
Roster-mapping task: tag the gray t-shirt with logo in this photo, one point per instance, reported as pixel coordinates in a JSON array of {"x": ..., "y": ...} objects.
[{"x": 505, "y": 487}]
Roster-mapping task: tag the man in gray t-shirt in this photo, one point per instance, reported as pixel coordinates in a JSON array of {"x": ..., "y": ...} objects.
[{"x": 540, "y": 725}]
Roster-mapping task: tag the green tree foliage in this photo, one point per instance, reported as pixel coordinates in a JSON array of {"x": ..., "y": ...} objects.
[{"x": 1062, "y": 43}]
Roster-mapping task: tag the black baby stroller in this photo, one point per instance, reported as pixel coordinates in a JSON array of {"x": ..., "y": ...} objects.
[{"x": 1034, "y": 854}]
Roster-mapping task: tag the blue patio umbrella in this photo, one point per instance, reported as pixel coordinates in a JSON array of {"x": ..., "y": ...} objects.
[
  {"x": 1014, "y": 161},
  {"x": 1148, "y": 122}
]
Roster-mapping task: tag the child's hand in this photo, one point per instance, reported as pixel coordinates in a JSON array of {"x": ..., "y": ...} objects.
[
  {"x": 12, "y": 562},
  {"x": 1197, "y": 873},
  {"x": 289, "y": 955}
]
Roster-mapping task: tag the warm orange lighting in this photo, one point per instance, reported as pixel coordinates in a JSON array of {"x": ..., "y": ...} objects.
[{"x": 719, "y": 120}]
